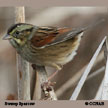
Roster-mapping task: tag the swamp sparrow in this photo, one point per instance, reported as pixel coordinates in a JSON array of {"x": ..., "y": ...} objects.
[{"x": 45, "y": 46}]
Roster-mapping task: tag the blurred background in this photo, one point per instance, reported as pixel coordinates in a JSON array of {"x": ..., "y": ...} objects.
[{"x": 66, "y": 79}]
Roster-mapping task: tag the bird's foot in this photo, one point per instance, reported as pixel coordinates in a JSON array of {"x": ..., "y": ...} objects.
[
  {"x": 47, "y": 88},
  {"x": 58, "y": 67},
  {"x": 50, "y": 77}
]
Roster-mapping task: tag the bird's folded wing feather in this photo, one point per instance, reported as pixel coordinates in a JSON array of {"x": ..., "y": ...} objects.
[{"x": 47, "y": 36}]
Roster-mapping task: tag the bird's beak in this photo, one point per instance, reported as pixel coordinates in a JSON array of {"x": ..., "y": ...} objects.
[{"x": 6, "y": 37}]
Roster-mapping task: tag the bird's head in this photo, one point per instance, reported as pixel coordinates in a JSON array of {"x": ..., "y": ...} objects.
[{"x": 18, "y": 34}]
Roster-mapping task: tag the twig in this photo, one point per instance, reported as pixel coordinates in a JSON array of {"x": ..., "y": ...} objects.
[
  {"x": 70, "y": 83},
  {"x": 37, "y": 89},
  {"x": 32, "y": 83},
  {"x": 46, "y": 86},
  {"x": 23, "y": 75},
  {"x": 105, "y": 85},
  {"x": 99, "y": 92},
  {"x": 100, "y": 70},
  {"x": 87, "y": 71},
  {"x": 73, "y": 81}
]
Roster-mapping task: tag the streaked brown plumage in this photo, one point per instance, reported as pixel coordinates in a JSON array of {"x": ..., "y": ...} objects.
[{"x": 45, "y": 46}]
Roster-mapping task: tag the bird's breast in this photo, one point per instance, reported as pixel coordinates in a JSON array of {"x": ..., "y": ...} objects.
[{"x": 60, "y": 53}]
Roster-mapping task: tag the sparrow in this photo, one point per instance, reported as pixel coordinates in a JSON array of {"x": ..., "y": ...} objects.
[{"x": 46, "y": 45}]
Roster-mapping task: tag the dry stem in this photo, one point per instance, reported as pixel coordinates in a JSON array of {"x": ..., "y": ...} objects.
[
  {"x": 105, "y": 83},
  {"x": 42, "y": 81},
  {"x": 23, "y": 75},
  {"x": 87, "y": 71}
]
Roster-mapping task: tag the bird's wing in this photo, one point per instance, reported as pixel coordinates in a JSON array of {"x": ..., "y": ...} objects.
[{"x": 47, "y": 36}]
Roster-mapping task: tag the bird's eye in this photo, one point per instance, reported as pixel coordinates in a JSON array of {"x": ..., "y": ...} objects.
[{"x": 17, "y": 33}]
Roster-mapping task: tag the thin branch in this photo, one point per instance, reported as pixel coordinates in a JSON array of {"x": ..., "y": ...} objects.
[
  {"x": 87, "y": 71},
  {"x": 46, "y": 86},
  {"x": 99, "y": 92},
  {"x": 105, "y": 85},
  {"x": 37, "y": 89},
  {"x": 23, "y": 75},
  {"x": 100, "y": 70},
  {"x": 73, "y": 81},
  {"x": 70, "y": 83}
]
